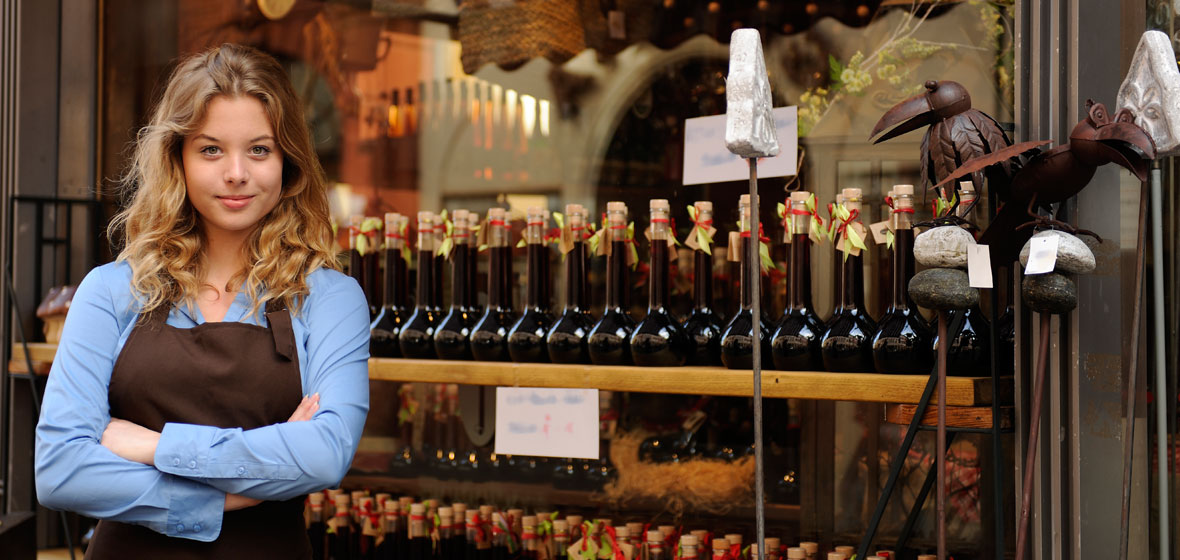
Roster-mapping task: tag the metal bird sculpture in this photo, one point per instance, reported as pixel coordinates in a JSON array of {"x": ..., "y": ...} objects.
[
  {"x": 957, "y": 133},
  {"x": 1058, "y": 173}
]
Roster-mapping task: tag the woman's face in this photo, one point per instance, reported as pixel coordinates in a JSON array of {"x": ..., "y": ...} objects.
[{"x": 233, "y": 170}]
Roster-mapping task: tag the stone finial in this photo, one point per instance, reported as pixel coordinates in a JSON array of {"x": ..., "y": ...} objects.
[
  {"x": 1151, "y": 91},
  {"x": 749, "y": 124}
]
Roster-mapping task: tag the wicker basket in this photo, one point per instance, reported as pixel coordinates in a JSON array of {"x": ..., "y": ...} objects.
[{"x": 510, "y": 33}]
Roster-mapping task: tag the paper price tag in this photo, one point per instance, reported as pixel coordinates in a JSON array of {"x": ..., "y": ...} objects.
[
  {"x": 547, "y": 422},
  {"x": 1042, "y": 255},
  {"x": 879, "y": 230},
  {"x": 979, "y": 266}
]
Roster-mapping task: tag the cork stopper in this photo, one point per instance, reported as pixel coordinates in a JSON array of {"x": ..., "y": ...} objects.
[
  {"x": 659, "y": 204},
  {"x": 903, "y": 190},
  {"x": 666, "y": 530},
  {"x": 390, "y": 507},
  {"x": 622, "y": 532},
  {"x": 800, "y": 196},
  {"x": 460, "y": 215},
  {"x": 836, "y": 556},
  {"x": 703, "y": 205},
  {"x": 574, "y": 520},
  {"x": 446, "y": 512},
  {"x": 718, "y": 544},
  {"x": 472, "y": 517},
  {"x": 635, "y": 528},
  {"x": 734, "y": 538},
  {"x": 496, "y": 214},
  {"x": 851, "y": 194},
  {"x": 485, "y": 511},
  {"x": 809, "y": 547},
  {"x": 536, "y": 212},
  {"x": 796, "y": 553},
  {"x": 846, "y": 550},
  {"x": 700, "y": 534},
  {"x": 417, "y": 509},
  {"x": 875, "y": 557},
  {"x": 772, "y": 543},
  {"x": 966, "y": 187},
  {"x": 561, "y": 529},
  {"x": 391, "y": 222},
  {"x": 689, "y": 540},
  {"x": 840, "y": 198},
  {"x": 528, "y": 522},
  {"x": 744, "y": 199},
  {"x": 616, "y": 206},
  {"x": 316, "y": 499},
  {"x": 616, "y": 213},
  {"x": 927, "y": 557},
  {"x": 341, "y": 501},
  {"x": 425, "y": 220}
]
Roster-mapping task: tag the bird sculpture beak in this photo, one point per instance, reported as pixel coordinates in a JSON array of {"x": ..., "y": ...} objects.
[
  {"x": 1128, "y": 145},
  {"x": 912, "y": 114}
]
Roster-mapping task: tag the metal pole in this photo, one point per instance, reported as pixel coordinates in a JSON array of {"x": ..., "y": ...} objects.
[
  {"x": 1161, "y": 380},
  {"x": 756, "y": 310},
  {"x": 1034, "y": 430},
  {"x": 940, "y": 458},
  {"x": 1133, "y": 373}
]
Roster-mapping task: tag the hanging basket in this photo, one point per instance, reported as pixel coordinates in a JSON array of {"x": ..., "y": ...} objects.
[{"x": 509, "y": 33}]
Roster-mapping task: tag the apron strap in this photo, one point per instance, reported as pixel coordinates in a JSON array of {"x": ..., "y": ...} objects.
[{"x": 279, "y": 320}]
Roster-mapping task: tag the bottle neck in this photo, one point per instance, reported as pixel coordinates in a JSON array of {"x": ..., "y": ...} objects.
[
  {"x": 852, "y": 293},
  {"x": 395, "y": 279},
  {"x": 616, "y": 275},
  {"x": 746, "y": 276},
  {"x": 496, "y": 277},
  {"x": 575, "y": 277},
  {"x": 459, "y": 264},
  {"x": 537, "y": 293},
  {"x": 702, "y": 283},
  {"x": 658, "y": 288},
  {"x": 903, "y": 268},
  {"x": 425, "y": 278},
  {"x": 800, "y": 274}
]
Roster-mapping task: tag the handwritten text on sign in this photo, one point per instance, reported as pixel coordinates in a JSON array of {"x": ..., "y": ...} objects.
[
  {"x": 547, "y": 422},
  {"x": 707, "y": 160}
]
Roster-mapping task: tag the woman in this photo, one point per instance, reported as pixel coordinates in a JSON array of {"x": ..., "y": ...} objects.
[{"x": 216, "y": 372}]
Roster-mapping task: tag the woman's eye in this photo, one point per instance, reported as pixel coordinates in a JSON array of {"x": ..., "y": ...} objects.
[
  {"x": 210, "y": 150},
  {"x": 259, "y": 150}
]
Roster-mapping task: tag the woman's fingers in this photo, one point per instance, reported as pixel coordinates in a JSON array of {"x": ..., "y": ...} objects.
[{"x": 306, "y": 409}]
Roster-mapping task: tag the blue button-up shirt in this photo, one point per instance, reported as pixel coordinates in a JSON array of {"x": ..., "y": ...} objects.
[{"x": 183, "y": 494}]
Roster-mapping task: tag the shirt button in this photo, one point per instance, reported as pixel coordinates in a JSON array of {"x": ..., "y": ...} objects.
[
  {"x": 197, "y": 528},
  {"x": 176, "y": 461},
  {"x": 242, "y": 470},
  {"x": 192, "y": 464},
  {"x": 180, "y": 526}
]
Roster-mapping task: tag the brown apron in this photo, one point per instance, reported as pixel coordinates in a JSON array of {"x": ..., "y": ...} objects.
[{"x": 229, "y": 375}]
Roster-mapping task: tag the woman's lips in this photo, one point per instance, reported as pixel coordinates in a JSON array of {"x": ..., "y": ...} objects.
[{"x": 235, "y": 202}]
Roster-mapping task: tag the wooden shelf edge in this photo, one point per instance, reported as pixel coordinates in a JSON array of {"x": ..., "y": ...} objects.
[
  {"x": 38, "y": 351},
  {"x": 817, "y": 385},
  {"x": 956, "y": 416}
]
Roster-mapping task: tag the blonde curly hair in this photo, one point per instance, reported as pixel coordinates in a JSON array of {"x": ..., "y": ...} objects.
[{"x": 160, "y": 232}]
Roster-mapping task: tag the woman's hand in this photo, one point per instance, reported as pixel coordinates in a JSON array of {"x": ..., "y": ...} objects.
[
  {"x": 306, "y": 409},
  {"x": 131, "y": 441}
]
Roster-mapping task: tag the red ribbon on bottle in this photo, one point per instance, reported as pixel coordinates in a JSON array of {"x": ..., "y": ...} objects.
[
  {"x": 761, "y": 234},
  {"x": 852, "y": 216},
  {"x": 895, "y": 210},
  {"x": 616, "y": 550}
]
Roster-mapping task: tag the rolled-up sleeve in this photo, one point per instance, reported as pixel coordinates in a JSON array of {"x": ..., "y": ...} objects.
[
  {"x": 73, "y": 470},
  {"x": 285, "y": 460}
]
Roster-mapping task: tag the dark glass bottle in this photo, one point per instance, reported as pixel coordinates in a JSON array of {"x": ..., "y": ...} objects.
[
  {"x": 385, "y": 328},
  {"x": 389, "y": 529},
  {"x": 489, "y": 338},
  {"x": 703, "y": 326},
  {"x": 417, "y": 336},
  {"x": 902, "y": 341},
  {"x": 566, "y": 341},
  {"x": 420, "y": 544},
  {"x": 609, "y": 340},
  {"x": 653, "y": 548},
  {"x": 356, "y": 264},
  {"x": 316, "y": 527},
  {"x": 737, "y": 340},
  {"x": 458, "y": 549},
  {"x": 451, "y": 337},
  {"x": 475, "y": 536},
  {"x": 501, "y": 536},
  {"x": 526, "y": 339},
  {"x": 446, "y": 530},
  {"x": 847, "y": 343},
  {"x": 342, "y": 534},
  {"x": 561, "y": 539},
  {"x": 436, "y": 289},
  {"x": 969, "y": 353},
  {"x": 658, "y": 340},
  {"x": 528, "y": 538},
  {"x": 473, "y": 264},
  {"x": 795, "y": 345}
]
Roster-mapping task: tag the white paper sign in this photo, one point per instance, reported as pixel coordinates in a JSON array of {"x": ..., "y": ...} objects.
[
  {"x": 1042, "y": 255},
  {"x": 979, "y": 266},
  {"x": 547, "y": 422},
  {"x": 707, "y": 160}
]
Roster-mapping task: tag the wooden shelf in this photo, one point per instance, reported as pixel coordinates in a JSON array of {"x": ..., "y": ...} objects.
[
  {"x": 979, "y": 417},
  {"x": 819, "y": 385},
  {"x": 540, "y": 495}
]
